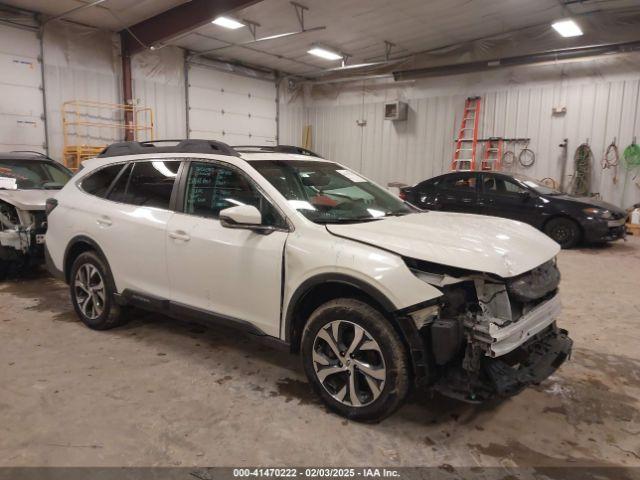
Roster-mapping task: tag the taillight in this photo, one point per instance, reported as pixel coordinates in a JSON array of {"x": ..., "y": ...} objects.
[
  {"x": 50, "y": 204},
  {"x": 403, "y": 195}
]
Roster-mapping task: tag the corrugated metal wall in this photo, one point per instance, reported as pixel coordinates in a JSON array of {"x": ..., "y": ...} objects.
[
  {"x": 80, "y": 64},
  {"x": 158, "y": 83},
  {"x": 598, "y": 110}
]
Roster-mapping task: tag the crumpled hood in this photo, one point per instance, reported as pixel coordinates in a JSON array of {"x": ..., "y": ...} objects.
[
  {"x": 27, "y": 199},
  {"x": 473, "y": 242}
]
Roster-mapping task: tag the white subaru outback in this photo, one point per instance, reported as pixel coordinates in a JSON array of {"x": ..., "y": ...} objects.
[{"x": 376, "y": 295}]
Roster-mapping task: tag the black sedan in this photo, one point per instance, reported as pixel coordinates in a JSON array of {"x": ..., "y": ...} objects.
[{"x": 565, "y": 218}]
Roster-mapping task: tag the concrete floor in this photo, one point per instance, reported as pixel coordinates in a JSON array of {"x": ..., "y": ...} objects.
[{"x": 159, "y": 392}]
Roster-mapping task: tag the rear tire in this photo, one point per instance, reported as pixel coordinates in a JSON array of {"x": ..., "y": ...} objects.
[
  {"x": 564, "y": 231},
  {"x": 4, "y": 269},
  {"x": 355, "y": 360},
  {"x": 92, "y": 293}
]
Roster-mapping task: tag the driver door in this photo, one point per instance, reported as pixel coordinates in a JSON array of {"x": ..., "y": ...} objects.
[
  {"x": 501, "y": 197},
  {"x": 230, "y": 272}
]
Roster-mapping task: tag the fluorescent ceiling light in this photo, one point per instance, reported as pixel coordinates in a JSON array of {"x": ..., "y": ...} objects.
[
  {"x": 567, "y": 28},
  {"x": 227, "y": 22},
  {"x": 324, "y": 52}
]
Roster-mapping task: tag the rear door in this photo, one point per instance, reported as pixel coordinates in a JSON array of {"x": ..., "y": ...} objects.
[
  {"x": 458, "y": 192},
  {"x": 502, "y": 197},
  {"x": 232, "y": 273},
  {"x": 130, "y": 225}
]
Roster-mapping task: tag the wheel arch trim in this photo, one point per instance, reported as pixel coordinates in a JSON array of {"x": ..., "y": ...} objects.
[
  {"x": 72, "y": 243},
  {"x": 305, "y": 287},
  {"x": 565, "y": 216},
  {"x": 397, "y": 317}
]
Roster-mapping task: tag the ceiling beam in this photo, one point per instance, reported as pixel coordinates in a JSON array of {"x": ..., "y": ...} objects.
[{"x": 177, "y": 21}]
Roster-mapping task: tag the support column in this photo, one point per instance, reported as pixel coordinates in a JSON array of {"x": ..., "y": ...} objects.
[{"x": 127, "y": 92}]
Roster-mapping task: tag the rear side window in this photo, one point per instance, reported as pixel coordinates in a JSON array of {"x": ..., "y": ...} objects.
[
  {"x": 460, "y": 183},
  {"x": 98, "y": 183},
  {"x": 147, "y": 184},
  {"x": 119, "y": 189},
  {"x": 427, "y": 185}
]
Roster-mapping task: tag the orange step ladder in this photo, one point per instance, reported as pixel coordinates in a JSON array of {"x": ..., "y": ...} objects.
[
  {"x": 492, "y": 159},
  {"x": 464, "y": 155}
]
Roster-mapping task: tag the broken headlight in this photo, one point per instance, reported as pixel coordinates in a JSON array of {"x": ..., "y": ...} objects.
[{"x": 535, "y": 283}]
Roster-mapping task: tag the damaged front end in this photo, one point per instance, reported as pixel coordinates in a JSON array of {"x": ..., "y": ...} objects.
[
  {"x": 489, "y": 336},
  {"x": 21, "y": 233}
]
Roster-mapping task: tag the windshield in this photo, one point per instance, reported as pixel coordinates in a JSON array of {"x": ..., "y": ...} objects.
[
  {"x": 538, "y": 186},
  {"x": 325, "y": 192},
  {"x": 32, "y": 175}
]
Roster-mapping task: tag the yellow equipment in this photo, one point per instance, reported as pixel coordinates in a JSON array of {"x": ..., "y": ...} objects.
[{"x": 88, "y": 127}]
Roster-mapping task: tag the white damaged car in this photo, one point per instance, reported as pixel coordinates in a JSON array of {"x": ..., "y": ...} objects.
[
  {"x": 374, "y": 294},
  {"x": 26, "y": 181}
]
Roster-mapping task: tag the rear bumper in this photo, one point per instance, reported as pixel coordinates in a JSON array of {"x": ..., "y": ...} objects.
[{"x": 51, "y": 267}]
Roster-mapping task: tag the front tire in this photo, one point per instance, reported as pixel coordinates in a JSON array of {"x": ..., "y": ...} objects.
[
  {"x": 564, "y": 231},
  {"x": 355, "y": 360},
  {"x": 92, "y": 293},
  {"x": 4, "y": 269}
]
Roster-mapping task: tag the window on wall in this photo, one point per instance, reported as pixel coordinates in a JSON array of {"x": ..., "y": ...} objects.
[
  {"x": 212, "y": 188},
  {"x": 146, "y": 184}
]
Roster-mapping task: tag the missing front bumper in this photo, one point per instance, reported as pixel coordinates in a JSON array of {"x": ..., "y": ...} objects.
[
  {"x": 500, "y": 340},
  {"x": 529, "y": 364},
  {"x": 542, "y": 358}
]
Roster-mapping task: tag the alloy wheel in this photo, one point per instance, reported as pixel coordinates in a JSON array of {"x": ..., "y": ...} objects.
[
  {"x": 349, "y": 364},
  {"x": 90, "y": 291}
]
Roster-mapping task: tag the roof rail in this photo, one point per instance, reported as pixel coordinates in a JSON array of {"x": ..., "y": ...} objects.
[
  {"x": 276, "y": 149},
  {"x": 40, "y": 154},
  {"x": 180, "y": 146}
]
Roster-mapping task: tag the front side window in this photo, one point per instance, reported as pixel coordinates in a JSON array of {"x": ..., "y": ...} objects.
[
  {"x": 147, "y": 184},
  {"x": 98, "y": 182},
  {"x": 32, "y": 175},
  {"x": 212, "y": 188},
  {"x": 325, "y": 192},
  {"x": 502, "y": 186}
]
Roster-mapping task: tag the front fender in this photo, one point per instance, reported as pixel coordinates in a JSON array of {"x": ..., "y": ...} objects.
[{"x": 381, "y": 274}]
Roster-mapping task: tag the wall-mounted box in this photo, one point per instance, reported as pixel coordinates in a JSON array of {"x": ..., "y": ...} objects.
[
  {"x": 558, "y": 111},
  {"x": 396, "y": 111}
]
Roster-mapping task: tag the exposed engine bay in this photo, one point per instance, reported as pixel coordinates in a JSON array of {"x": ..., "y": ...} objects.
[
  {"x": 21, "y": 233},
  {"x": 490, "y": 336}
]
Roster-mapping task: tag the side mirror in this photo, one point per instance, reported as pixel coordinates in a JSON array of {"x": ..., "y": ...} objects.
[
  {"x": 246, "y": 217},
  {"x": 526, "y": 196},
  {"x": 242, "y": 215}
]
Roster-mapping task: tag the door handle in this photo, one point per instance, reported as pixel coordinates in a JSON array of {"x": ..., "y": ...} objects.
[
  {"x": 179, "y": 235},
  {"x": 104, "y": 221}
]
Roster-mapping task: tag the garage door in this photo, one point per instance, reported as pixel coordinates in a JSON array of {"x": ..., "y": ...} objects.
[
  {"x": 235, "y": 109},
  {"x": 21, "y": 103}
]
